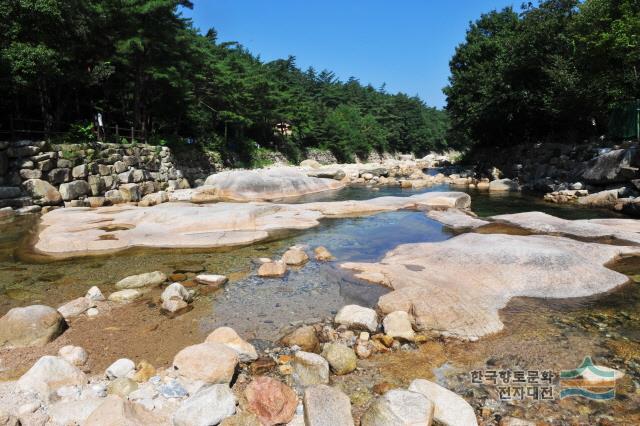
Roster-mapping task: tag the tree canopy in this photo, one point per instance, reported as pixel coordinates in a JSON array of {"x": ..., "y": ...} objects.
[
  {"x": 141, "y": 63},
  {"x": 554, "y": 71}
]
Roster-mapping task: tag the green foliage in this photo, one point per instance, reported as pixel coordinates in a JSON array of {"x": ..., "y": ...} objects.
[
  {"x": 141, "y": 64},
  {"x": 548, "y": 72}
]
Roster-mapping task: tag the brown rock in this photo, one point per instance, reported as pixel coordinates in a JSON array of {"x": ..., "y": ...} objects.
[
  {"x": 275, "y": 269},
  {"x": 241, "y": 419},
  {"x": 322, "y": 254},
  {"x": 144, "y": 372},
  {"x": 295, "y": 257},
  {"x": 176, "y": 277},
  {"x": 271, "y": 401},
  {"x": 262, "y": 365},
  {"x": 304, "y": 337},
  {"x": 382, "y": 387}
]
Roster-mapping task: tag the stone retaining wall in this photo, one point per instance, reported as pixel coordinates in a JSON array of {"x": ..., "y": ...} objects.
[{"x": 37, "y": 173}]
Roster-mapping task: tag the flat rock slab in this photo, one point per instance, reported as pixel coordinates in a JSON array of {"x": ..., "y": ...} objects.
[
  {"x": 456, "y": 287},
  {"x": 259, "y": 185},
  {"x": 455, "y": 219},
  {"x": 75, "y": 232},
  {"x": 623, "y": 230}
]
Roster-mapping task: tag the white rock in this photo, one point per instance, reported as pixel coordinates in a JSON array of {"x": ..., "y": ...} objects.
[
  {"x": 174, "y": 305},
  {"x": 209, "y": 406},
  {"x": 73, "y": 354},
  {"x": 450, "y": 409},
  {"x": 142, "y": 280},
  {"x": 48, "y": 374},
  {"x": 124, "y": 296},
  {"x": 212, "y": 279},
  {"x": 310, "y": 369},
  {"x": 72, "y": 412},
  {"x": 397, "y": 324},
  {"x": 76, "y": 307},
  {"x": 176, "y": 291},
  {"x": 28, "y": 408},
  {"x": 324, "y": 406},
  {"x": 95, "y": 294},
  {"x": 92, "y": 312},
  {"x": 358, "y": 317},
  {"x": 120, "y": 368},
  {"x": 399, "y": 407}
]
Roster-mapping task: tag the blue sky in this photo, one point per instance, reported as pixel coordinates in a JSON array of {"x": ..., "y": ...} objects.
[{"x": 406, "y": 44}]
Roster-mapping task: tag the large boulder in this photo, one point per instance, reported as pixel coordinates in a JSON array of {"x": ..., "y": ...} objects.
[
  {"x": 482, "y": 272},
  {"x": 34, "y": 325},
  {"x": 399, "y": 407},
  {"x": 450, "y": 409},
  {"x": 271, "y": 401},
  {"x": 141, "y": 280},
  {"x": 324, "y": 405},
  {"x": 42, "y": 192},
  {"x": 503, "y": 185},
  {"x": 607, "y": 198},
  {"x": 618, "y": 165},
  {"x": 336, "y": 174},
  {"x": 209, "y": 406},
  {"x": 398, "y": 325},
  {"x": 228, "y": 337},
  {"x": 50, "y": 373},
  {"x": 250, "y": 185},
  {"x": 208, "y": 362},
  {"x": 74, "y": 190},
  {"x": 310, "y": 164}
]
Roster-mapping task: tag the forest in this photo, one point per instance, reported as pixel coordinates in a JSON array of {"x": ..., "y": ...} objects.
[
  {"x": 560, "y": 70},
  {"x": 141, "y": 64}
]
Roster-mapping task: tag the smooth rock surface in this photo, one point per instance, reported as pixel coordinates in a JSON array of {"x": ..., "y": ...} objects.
[
  {"x": 50, "y": 373},
  {"x": 324, "y": 406},
  {"x": 625, "y": 230},
  {"x": 211, "y": 279},
  {"x": 397, "y": 324},
  {"x": 114, "y": 411},
  {"x": 456, "y": 219},
  {"x": 228, "y": 337},
  {"x": 209, "y": 406},
  {"x": 124, "y": 296},
  {"x": 34, "y": 325},
  {"x": 81, "y": 231},
  {"x": 399, "y": 407},
  {"x": 76, "y": 307},
  {"x": 481, "y": 273},
  {"x": 450, "y": 409},
  {"x": 208, "y": 362},
  {"x": 358, "y": 318},
  {"x": 141, "y": 280},
  {"x": 270, "y": 184}
]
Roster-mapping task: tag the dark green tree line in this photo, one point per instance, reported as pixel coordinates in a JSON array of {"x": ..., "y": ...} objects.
[
  {"x": 141, "y": 63},
  {"x": 553, "y": 71}
]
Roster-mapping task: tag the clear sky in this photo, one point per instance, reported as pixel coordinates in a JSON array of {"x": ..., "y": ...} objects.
[{"x": 406, "y": 44}]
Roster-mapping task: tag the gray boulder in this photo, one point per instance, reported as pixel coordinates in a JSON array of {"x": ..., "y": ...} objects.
[
  {"x": 614, "y": 166},
  {"x": 34, "y": 325},
  {"x": 42, "y": 192},
  {"x": 324, "y": 405},
  {"x": 74, "y": 190}
]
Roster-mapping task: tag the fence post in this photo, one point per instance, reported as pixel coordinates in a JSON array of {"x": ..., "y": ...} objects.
[
  {"x": 12, "y": 135},
  {"x": 132, "y": 135},
  {"x": 117, "y": 134}
]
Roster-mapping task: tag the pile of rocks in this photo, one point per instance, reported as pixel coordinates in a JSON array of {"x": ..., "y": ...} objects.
[{"x": 36, "y": 173}]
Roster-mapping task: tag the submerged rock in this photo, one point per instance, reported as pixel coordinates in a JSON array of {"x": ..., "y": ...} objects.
[
  {"x": 34, "y": 325},
  {"x": 322, "y": 254},
  {"x": 295, "y": 257},
  {"x": 228, "y": 337},
  {"x": 482, "y": 273},
  {"x": 141, "y": 280},
  {"x": 275, "y": 269},
  {"x": 450, "y": 409},
  {"x": 324, "y": 405}
]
